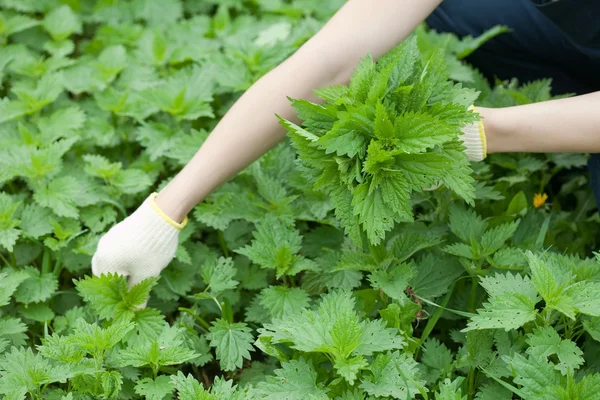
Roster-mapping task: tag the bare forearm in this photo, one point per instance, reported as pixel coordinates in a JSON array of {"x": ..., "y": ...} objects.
[
  {"x": 250, "y": 128},
  {"x": 569, "y": 125}
]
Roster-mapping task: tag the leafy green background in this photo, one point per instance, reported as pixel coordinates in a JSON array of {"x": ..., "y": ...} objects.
[{"x": 271, "y": 295}]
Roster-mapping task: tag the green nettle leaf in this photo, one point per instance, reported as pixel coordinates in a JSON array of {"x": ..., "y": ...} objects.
[
  {"x": 110, "y": 296},
  {"x": 477, "y": 349},
  {"x": 14, "y": 330},
  {"x": 545, "y": 342},
  {"x": 16, "y": 23},
  {"x": 276, "y": 246},
  {"x": 466, "y": 224},
  {"x": 393, "y": 131},
  {"x": 592, "y": 326},
  {"x": 61, "y": 196},
  {"x": 110, "y": 62},
  {"x": 101, "y": 167},
  {"x": 333, "y": 328},
  {"x": 394, "y": 281},
  {"x": 538, "y": 379},
  {"x": 450, "y": 390},
  {"x": 9, "y": 233},
  {"x": 295, "y": 380},
  {"x": 393, "y": 375},
  {"x": 185, "y": 95},
  {"x": 154, "y": 389},
  {"x": 281, "y": 301},
  {"x": 218, "y": 275},
  {"x": 493, "y": 239},
  {"x": 21, "y": 372},
  {"x": 232, "y": 343},
  {"x": 438, "y": 358},
  {"x": 168, "y": 348},
  {"x": 511, "y": 303},
  {"x": 95, "y": 340},
  {"x": 37, "y": 287},
  {"x": 189, "y": 388},
  {"x": 61, "y": 23},
  {"x": 32, "y": 96},
  {"x": 493, "y": 391},
  {"x": 9, "y": 282},
  {"x": 35, "y": 221},
  {"x": 554, "y": 280},
  {"x": 63, "y": 123},
  {"x": 434, "y": 275},
  {"x": 131, "y": 181}
]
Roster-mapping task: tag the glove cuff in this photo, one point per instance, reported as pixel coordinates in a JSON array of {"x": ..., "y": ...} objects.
[
  {"x": 156, "y": 208},
  {"x": 474, "y": 139}
]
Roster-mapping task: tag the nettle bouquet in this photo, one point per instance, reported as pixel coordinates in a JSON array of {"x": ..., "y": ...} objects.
[{"x": 394, "y": 131}]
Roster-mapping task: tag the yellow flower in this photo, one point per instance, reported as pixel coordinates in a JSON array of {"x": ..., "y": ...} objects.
[{"x": 539, "y": 199}]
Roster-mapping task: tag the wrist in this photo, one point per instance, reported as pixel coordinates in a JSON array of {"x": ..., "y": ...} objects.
[
  {"x": 498, "y": 130},
  {"x": 171, "y": 208}
]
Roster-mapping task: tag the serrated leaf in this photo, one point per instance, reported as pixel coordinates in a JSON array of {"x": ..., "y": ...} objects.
[
  {"x": 185, "y": 95},
  {"x": 101, "y": 167},
  {"x": 510, "y": 305},
  {"x": 110, "y": 297},
  {"x": 168, "y": 348},
  {"x": 295, "y": 380},
  {"x": 39, "y": 312},
  {"x": 394, "y": 281},
  {"x": 333, "y": 328},
  {"x": 14, "y": 330},
  {"x": 438, "y": 358},
  {"x": 189, "y": 388},
  {"x": 21, "y": 370},
  {"x": 280, "y": 301},
  {"x": 466, "y": 224},
  {"x": 37, "y": 287},
  {"x": 232, "y": 343},
  {"x": 61, "y": 23},
  {"x": 35, "y": 221},
  {"x": 434, "y": 276},
  {"x": 60, "y": 196},
  {"x": 545, "y": 342},
  {"x": 154, "y": 389},
  {"x": 218, "y": 275},
  {"x": 276, "y": 246},
  {"x": 493, "y": 239},
  {"x": 9, "y": 282},
  {"x": 394, "y": 375},
  {"x": 131, "y": 181}
]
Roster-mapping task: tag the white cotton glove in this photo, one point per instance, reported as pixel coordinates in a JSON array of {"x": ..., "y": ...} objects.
[
  {"x": 140, "y": 246},
  {"x": 474, "y": 140}
]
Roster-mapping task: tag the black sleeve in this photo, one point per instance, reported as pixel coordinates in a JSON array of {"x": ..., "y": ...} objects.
[{"x": 579, "y": 19}]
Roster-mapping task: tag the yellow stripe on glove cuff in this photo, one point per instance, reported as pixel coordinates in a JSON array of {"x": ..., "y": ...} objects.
[
  {"x": 475, "y": 140},
  {"x": 164, "y": 216}
]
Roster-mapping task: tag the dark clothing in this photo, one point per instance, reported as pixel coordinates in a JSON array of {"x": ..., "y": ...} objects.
[{"x": 549, "y": 39}]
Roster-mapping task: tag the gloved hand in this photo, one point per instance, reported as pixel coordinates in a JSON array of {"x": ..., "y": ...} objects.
[{"x": 140, "y": 246}]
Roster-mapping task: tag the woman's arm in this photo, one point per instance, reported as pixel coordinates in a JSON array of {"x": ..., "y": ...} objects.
[
  {"x": 569, "y": 125},
  {"x": 250, "y": 128}
]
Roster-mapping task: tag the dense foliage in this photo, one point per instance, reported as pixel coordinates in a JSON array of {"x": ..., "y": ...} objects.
[{"x": 325, "y": 269}]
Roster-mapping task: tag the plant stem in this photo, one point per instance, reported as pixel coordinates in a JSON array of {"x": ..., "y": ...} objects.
[
  {"x": 471, "y": 380},
  {"x": 199, "y": 319},
  {"x": 473, "y": 295},
  {"x": 46, "y": 261},
  {"x": 223, "y": 244},
  {"x": 8, "y": 264}
]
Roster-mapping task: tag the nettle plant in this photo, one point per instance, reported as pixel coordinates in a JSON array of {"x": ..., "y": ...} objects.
[{"x": 393, "y": 131}]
